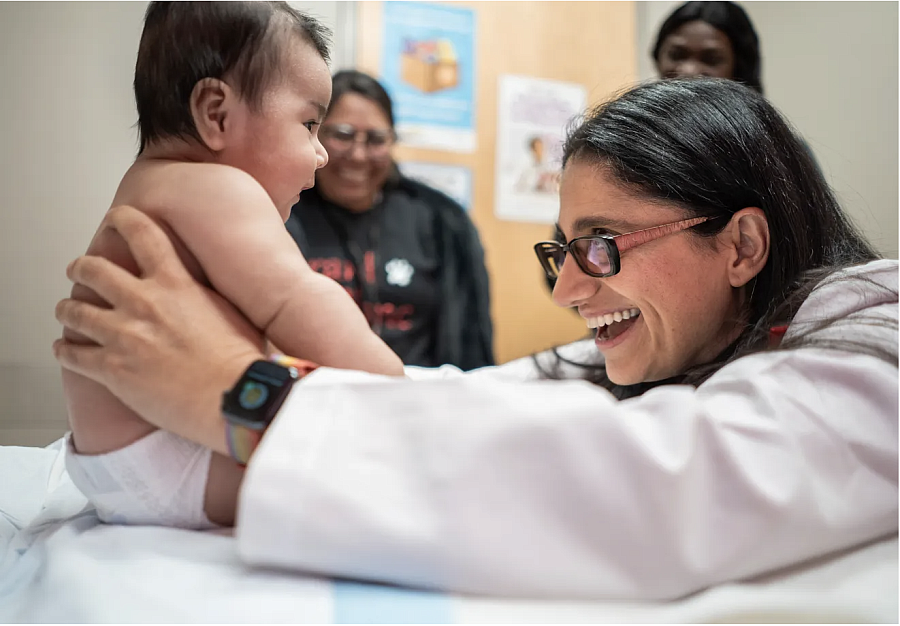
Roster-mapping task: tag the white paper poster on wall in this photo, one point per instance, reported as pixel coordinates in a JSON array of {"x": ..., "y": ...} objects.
[
  {"x": 453, "y": 180},
  {"x": 532, "y": 118}
]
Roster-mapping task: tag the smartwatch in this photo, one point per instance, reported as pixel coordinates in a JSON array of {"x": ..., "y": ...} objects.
[{"x": 251, "y": 405}]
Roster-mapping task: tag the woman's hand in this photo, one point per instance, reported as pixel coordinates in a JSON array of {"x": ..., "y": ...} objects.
[{"x": 168, "y": 347}]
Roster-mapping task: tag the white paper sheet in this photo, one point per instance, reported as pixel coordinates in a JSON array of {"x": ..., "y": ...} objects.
[{"x": 60, "y": 565}]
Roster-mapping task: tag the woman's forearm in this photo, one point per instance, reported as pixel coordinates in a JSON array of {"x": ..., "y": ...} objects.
[{"x": 206, "y": 425}]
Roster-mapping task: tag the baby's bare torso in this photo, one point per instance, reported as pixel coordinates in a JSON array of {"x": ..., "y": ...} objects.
[{"x": 98, "y": 420}]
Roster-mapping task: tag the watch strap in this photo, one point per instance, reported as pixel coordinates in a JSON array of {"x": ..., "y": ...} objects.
[{"x": 242, "y": 441}]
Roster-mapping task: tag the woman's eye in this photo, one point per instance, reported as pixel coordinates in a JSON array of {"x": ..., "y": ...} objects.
[{"x": 310, "y": 125}]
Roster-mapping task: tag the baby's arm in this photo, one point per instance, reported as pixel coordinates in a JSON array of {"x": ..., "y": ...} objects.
[{"x": 229, "y": 223}]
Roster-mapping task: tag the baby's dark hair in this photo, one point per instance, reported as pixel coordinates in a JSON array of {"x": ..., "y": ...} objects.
[{"x": 184, "y": 42}]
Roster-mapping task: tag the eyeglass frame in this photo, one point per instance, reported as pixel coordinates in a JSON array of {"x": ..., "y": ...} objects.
[
  {"x": 390, "y": 135},
  {"x": 613, "y": 248}
]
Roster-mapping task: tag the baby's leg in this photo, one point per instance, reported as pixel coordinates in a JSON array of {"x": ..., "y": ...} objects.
[{"x": 222, "y": 488}]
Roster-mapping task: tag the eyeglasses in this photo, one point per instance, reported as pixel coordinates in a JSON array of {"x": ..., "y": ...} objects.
[
  {"x": 599, "y": 255},
  {"x": 342, "y": 137}
]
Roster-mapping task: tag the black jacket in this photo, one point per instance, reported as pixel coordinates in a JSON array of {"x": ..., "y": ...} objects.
[{"x": 463, "y": 334}]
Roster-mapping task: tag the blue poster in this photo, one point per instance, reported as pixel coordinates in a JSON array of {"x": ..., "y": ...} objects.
[{"x": 428, "y": 67}]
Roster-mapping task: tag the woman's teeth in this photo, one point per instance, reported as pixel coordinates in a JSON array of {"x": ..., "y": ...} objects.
[
  {"x": 354, "y": 176},
  {"x": 609, "y": 318}
]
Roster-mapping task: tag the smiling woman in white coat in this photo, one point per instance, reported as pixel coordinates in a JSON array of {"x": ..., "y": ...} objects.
[{"x": 735, "y": 413}]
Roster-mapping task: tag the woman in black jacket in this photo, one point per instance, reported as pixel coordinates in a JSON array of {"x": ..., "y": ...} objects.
[{"x": 408, "y": 254}]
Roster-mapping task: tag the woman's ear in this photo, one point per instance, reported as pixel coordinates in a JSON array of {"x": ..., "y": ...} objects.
[
  {"x": 748, "y": 239},
  {"x": 211, "y": 102}
]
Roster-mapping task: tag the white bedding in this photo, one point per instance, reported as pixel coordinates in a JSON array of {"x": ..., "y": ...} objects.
[{"x": 58, "y": 564}]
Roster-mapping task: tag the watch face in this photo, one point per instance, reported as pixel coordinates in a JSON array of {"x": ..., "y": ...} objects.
[
  {"x": 252, "y": 395},
  {"x": 258, "y": 394}
]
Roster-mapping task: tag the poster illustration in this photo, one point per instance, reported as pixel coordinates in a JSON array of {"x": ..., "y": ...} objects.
[
  {"x": 532, "y": 117},
  {"x": 453, "y": 180},
  {"x": 428, "y": 68}
]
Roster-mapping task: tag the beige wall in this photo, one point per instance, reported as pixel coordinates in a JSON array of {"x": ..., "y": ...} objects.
[
  {"x": 66, "y": 138},
  {"x": 832, "y": 68}
]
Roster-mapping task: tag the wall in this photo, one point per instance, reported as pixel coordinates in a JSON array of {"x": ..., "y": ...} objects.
[
  {"x": 340, "y": 17},
  {"x": 832, "y": 68},
  {"x": 66, "y": 138},
  {"x": 531, "y": 39},
  {"x": 67, "y": 135}
]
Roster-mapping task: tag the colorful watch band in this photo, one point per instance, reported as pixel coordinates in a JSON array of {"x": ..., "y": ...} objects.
[
  {"x": 302, "y": 366},
  {"x": 242, "y": 441}
]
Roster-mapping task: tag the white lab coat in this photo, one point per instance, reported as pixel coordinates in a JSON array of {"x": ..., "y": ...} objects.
[{"x": 494, "y": 482}]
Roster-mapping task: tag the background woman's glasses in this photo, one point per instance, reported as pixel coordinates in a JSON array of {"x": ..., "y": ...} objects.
[{"x": 340, "y": 138}]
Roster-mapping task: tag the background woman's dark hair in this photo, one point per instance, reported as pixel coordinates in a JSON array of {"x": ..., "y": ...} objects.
[
  {"x": 729, "y": 18},
  {"x": 184, "y": 42},
  {"x": 354, "y": 81},
  {"x": 714, "y": 147}
]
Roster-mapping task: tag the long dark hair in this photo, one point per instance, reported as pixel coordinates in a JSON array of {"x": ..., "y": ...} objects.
[
  {"x": 714, "y": 147},
  {"x": 354, "y": 81},
  {"x": 729, "y": 18}
]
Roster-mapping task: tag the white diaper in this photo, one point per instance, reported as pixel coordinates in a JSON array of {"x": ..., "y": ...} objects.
[{"x": 158, "y": 480}]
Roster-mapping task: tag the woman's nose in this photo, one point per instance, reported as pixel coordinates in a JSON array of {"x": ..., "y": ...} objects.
[
  {"x": 690, "y": 68},
  {"x": 573, "y": 286},
  {"x": 358, "y": 151}
]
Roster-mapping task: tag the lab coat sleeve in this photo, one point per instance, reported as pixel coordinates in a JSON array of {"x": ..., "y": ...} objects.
[{"x": 476, "y": 483}]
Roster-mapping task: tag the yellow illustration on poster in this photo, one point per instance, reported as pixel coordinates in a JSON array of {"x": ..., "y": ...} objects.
[{"x": 532, "y": 117}]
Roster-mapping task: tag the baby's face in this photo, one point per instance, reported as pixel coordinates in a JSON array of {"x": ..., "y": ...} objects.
[{"x": 278, "y": 144}]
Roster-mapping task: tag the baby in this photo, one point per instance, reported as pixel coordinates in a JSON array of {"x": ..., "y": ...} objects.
[{"x": 230, "y": 96}]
